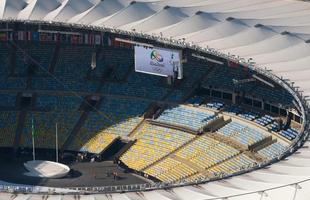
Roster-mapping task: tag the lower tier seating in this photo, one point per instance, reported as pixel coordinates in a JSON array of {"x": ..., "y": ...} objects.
[
  {"x": 170, "y": 170},
  {"x": 241, "y": 133},
  {"x": 203, "y": 152},
  {"x": 45, "y": 128},
  {"x": 215, "y": 105},
  {"x": 264, "y": 120},
  {"x": 232, "y": 165},
  {"x": 153, "y": 143},
  {"x": 8, "y": 125},
  {"x": 272, "y": 151},
  {"x": 289, "y": 134},
  {"x": 215, "y": 154},
  {"x": 185, "y": 116},
  {"x": 115, "y": 116},
  {"x": 98, "y": 143},
  {"x": 62, "y": 110},
  {"x": 196, "y": 146}
]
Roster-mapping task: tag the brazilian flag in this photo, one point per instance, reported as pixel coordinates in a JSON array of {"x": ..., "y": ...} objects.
[{"x": 33, "y": 129}]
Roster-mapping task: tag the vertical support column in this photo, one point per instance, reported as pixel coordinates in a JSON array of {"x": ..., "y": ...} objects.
[{"x": 234, "y": 98}]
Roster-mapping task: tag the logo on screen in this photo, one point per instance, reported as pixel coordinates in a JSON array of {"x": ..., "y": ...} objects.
[{"x": 156, "y": 56}]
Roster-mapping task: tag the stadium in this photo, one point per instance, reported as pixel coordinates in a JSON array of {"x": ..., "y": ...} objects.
[{"x": 154, "y": 99}]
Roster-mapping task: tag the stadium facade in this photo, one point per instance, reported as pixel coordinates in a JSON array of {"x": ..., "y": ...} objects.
[{"x": 269, "y": 37}]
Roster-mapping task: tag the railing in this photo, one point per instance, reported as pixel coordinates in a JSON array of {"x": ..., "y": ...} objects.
[{"x": 298, "y": 96}]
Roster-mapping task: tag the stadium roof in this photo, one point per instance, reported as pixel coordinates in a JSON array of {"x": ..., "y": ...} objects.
[{"x": 274, "y": 33}]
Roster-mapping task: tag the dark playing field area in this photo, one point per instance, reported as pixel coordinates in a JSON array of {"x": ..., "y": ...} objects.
[{"x": 81, "y": 174}]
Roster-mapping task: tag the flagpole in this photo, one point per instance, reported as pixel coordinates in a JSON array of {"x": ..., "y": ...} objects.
[
  {"x": 33, "y": 148},
  {"x": 33, "y": 151},
  {"x": 56, "y": 144}
]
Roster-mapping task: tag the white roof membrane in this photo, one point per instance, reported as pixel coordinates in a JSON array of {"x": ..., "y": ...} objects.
[
  {"x": 271, "y": 32},
  {"x": 221, "y": 30},
  {"x": 101, "y": 10},
  {"x": 134, "y": 12},
  {"x": 167, "y": 16},
  {"x": 195, "y": 23}
]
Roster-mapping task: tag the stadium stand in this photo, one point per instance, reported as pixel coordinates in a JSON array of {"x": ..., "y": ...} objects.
[
  {"x": 233, "y": 165},
  {"x": 7, "y": 100},
  {"x": 138, "y": 85},
  {"x": 203, "y": 152},
  {"x": 274, "y": 150},
  {"x": 186, "y": 116},
  {"x": 195, "y": 100},
  {"x": 265, "y": 120},
  {"x": 249, "y": 115},
  {"x": 40, "y": 52},
  {"x": 269, "y": 94},
  {"x": 215, "y": 105},
  {"x": 99, "y": 143},
  {"x": 153, "y": 143},
  {"x": 222, "y": 77},
  {"x": 217, "y": 153},
  {"x": 241, "y": 133},
  {"x": 222, "y": 44},
  {"x": 289, "y": 133},
  {"x": 62, "y": 110},
  {"x": 167, "y": 154},
  {"x": 115, "y": 116},
  {"x": 170, "y": 170},
  {"x": 193, "y": 69},
  {"x": 8, "y": 124}
]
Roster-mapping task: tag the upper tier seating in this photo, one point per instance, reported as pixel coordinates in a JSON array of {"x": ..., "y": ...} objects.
[
  {"x": 195, "y": 100},
  {"x": 176, "y": 96},
  {"x": 41, "y": 53},
  {"x": 186, "y": 116},
  {"x": 71, "y": 69},
  {"x": 5, "y": 69},
  {"x": 115, "y": 116},
  {"x": 138, "y": 85},
  {"x": 8, "y": 125},
  {"x": 154, "y": 142},
  {"x": 274, "y": 95},
  {"x": 7, "y": 100},
  {"x": 222, "y": 77},
  {"x": 193, "y": 71},
  {"x": 62, "y": 110}
]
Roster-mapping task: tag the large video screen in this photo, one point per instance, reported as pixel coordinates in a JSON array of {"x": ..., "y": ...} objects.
[{"x": 158, "y": 61}]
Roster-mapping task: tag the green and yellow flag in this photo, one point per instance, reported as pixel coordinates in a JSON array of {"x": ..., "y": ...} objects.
[{"x": 33, "y": 129}]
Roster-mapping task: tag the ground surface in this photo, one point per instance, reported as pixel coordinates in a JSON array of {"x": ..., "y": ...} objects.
[{"x": 81, "y": 174}]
